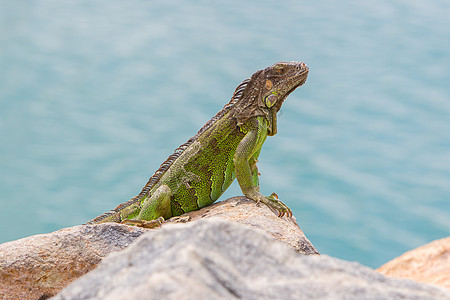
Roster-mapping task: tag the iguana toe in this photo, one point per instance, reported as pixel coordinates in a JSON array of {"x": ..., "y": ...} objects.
[
  {"x": 144, "y": 223},
  {"x": 279, "y": 206}
]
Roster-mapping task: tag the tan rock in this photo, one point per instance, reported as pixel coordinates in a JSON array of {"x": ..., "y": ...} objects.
[
  {"x": 40, "y": 266},
  {"x": 429, "y": 263},
  {"x": 244, "y": 211}
]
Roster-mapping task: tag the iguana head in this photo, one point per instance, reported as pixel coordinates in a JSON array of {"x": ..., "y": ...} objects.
[{"x": 264, "y": 93}]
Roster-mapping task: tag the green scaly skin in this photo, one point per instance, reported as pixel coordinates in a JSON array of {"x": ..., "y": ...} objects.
[{"x": 227, "y": 147}]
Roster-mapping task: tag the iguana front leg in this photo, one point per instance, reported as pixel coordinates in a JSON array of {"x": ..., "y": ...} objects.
[{"x": 245, "y": 160}]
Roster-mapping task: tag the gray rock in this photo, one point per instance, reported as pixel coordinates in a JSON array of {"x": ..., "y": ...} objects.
[
  {"x": 216, "y": 259},
  {"x": 40, "y": 266}
]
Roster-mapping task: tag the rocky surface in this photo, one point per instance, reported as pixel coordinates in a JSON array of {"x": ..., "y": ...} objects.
[
  {"x": 246, "y": 212},
  {"x": 40, "y": 266},
  {"x": 216, "y": 259},
  {"x": 429, "y": 263}
]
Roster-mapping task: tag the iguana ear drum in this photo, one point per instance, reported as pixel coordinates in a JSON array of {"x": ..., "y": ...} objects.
[{"x": 270, "y": 100}]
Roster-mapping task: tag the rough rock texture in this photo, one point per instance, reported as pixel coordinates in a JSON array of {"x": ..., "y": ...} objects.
[
  {"x": 244, "y": 211},
  {"x": 42, "y": 265},
  {"x": 429, "y": 263},
  {"x": 216, "y": 259},
  {"x": 39, "y": 266}
]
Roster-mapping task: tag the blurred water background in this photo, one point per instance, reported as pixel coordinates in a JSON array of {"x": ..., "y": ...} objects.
[{"x": 96, "y": 94}]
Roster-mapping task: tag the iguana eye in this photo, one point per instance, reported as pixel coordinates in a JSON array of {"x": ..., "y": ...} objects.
[
  {"x": 280, "y": 70},
  {"x": 270, "y": 100}
]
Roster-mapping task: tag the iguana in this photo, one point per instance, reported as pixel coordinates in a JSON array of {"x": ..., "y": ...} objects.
[{"x": 226, "y": 147}]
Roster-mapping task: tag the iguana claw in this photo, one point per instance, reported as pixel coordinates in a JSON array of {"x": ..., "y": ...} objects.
[
  {"x": 144, "y": 223},
  {"x": 279, "y": 206}
]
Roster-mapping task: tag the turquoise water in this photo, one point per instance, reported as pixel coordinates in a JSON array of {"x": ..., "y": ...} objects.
[{"x": 95, "y": 95}]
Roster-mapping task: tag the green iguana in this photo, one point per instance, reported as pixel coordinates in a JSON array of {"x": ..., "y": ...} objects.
[{"x": 226, "y": 147}]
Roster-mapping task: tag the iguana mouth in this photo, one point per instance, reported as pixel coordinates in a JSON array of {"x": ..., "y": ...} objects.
[
  {"x": 302, "y": 74},
  {"x": 295, "y": 86}
]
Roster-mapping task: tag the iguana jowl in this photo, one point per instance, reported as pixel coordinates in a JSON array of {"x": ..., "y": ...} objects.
[{"x": 226, "y": 147}]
